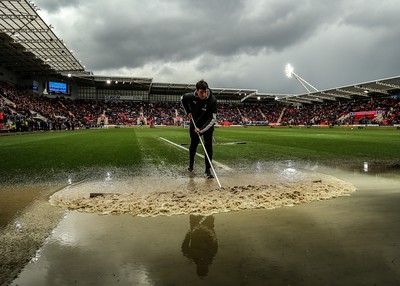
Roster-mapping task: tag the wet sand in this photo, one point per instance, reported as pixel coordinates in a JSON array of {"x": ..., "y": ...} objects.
[
  {"x": 351, "y": 240},
  {"x": 175, "y": 196}
]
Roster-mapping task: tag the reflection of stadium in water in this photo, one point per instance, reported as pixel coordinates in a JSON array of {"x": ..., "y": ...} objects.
[
  {"x": 200, "y": 243},
  {"x": 377, "y": 170}
]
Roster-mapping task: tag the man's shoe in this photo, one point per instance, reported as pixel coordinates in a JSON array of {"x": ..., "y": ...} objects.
[
  {"x": 209, "y": 175},
  {"x": 190, "y": 169}
]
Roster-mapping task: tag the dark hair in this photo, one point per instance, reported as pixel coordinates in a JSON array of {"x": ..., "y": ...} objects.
[{"x": 202, "y": 84}]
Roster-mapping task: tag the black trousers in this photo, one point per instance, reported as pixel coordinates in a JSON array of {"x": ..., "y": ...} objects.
[{"x": 194, "y": 142}]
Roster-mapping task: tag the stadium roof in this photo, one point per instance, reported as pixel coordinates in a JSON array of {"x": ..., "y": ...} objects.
[
  {"x": 376, "y": 88},
  {"x": 154, "y": 88},
  {"x": 29, "y": 45},
  {"x": 220, "y": 93}
]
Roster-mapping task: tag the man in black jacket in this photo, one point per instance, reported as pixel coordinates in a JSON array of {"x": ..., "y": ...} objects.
[{"x": 201, "y": 105}]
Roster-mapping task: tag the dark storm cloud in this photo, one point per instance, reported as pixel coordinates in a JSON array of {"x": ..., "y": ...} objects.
[
  {"x": 118, "y": 34},
  {"x": 332, "y": 43}
]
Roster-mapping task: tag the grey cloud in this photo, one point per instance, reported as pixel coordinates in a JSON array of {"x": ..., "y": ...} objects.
[
  {"x": 54, "y": 5},
  {"x": 215, "y": 27},
  {"x": 370, "y": 15},
  {"x": 352, "y": 40}
]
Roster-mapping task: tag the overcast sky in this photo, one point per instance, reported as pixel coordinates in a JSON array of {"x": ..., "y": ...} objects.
[{"x": 233, "y": 43}]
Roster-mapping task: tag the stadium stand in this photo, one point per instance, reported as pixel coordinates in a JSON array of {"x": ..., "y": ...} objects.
[
  {"x": 23, "y": 111},
  {"x": 31, "y": 64}
]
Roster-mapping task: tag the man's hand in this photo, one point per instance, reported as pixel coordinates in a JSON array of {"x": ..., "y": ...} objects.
[{"x": 197, "y": 130}]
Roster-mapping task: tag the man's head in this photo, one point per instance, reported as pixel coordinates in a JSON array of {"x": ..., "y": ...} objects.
[{"x": 202, "y": 89}]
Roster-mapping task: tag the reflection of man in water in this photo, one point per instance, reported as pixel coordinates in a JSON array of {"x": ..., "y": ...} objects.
[{"x": 200, "y": 243}]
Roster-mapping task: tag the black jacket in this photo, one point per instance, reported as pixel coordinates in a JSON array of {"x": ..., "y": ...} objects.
[{"x": 204, "y": 112}]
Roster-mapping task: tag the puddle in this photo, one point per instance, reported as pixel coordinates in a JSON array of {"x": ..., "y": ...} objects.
[{"x": 352, "y": 237}]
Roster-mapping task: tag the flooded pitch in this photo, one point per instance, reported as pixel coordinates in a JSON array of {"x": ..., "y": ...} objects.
[{"x": 186, "y": 231}]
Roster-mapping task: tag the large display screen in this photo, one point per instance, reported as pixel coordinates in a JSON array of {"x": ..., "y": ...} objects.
[
  {"x": 35, "y": 86},
  {"x": 57, "y": 87}
]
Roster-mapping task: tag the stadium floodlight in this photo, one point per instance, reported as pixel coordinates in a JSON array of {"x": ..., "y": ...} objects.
[{"x": 289, "y": 71}]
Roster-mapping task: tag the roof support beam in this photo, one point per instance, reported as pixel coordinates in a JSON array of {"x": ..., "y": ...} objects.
[
  {"x": 352, "y": 92},
  {"x": 247, "y": 96},
  {"x": 27, "y": 30},
  {"x": 371, "y": 89},
  {"x": 31, "y": 41},
  {"x": 336, "y": 95},
  {"x": 388, "y": 84},
  {"x": 323, "y": 96},
  {"x": 312, "y": 99},
  {"x": 20, "y": 17},
  {"x": 298, "y": 99}
]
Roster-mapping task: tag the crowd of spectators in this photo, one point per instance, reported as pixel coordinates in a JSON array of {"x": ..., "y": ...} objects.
[
  {"x": 20, "y": 110},
  {"x": 382, "y": 111}
]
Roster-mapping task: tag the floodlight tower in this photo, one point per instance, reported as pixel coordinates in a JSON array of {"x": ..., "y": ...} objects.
[{"x": 290, "y": 73}]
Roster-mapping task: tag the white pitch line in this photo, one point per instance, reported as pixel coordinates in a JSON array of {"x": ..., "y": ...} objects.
[{"x": 225, "y": 167}]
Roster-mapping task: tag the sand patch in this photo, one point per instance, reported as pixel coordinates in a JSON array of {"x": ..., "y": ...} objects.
[{"x": 173, "y": 196}]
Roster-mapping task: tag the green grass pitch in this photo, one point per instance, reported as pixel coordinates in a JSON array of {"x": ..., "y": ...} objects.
[{"x": 44, "y": 154}]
